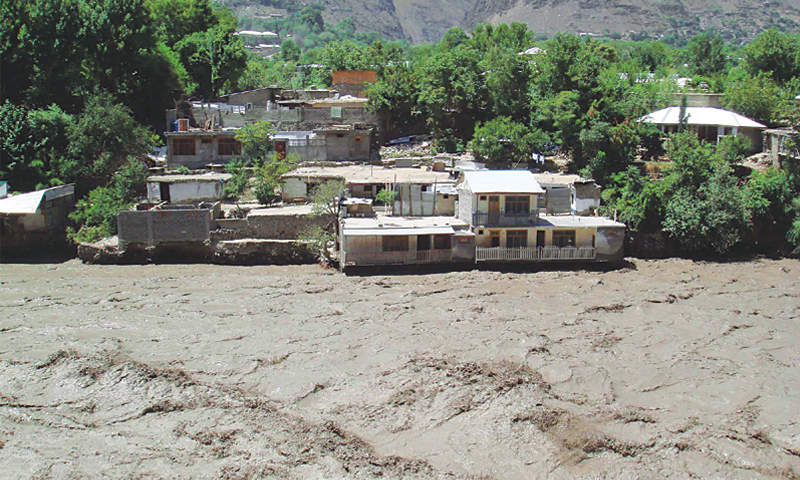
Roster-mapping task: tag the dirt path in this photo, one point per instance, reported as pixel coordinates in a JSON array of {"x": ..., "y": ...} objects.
[{"x": 669, "y": 369}]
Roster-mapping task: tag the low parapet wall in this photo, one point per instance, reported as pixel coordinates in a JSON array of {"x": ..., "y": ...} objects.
[
  {"x": 277, "y": 227},
  {"x": 167, "y": 224}
]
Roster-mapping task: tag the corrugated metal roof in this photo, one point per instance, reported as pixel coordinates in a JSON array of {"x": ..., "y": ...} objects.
[
  {"x": 700, "y": 116},
  {"x": 503, "y": 181},
  {"x": 28, "y": 203},
  {"x": 349, "y": 232},
  {"x": 24, "y": 203}
]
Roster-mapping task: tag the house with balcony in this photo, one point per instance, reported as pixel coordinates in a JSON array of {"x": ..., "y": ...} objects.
[{"x": 502, "y": 210}]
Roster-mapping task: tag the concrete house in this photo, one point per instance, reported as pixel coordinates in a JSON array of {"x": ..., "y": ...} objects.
[
  {"x": 333, "y": 143},
  {"x": 568, "y": 194},
  {"x": 415, "y": 186},
  {"x": 194, "y": 149},
  {"x": 186, "y": 188},
  {"x": 502, "y": 209},
  {"x": 776, "y": 144},
  {"x": 35, "y": 220},
  {"x": 710, "y": 123},
  {"x": 404, "y": 241}
]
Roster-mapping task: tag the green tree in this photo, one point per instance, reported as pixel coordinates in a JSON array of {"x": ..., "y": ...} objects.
[
  {"x": 176, "y": 19},
  {"x": 101, "y": 140},
  {"x": 501, "y": 142},
  {"x": 711, "y": 218},
  {"x": 214, "y": 60},
  {"x": 754, "y": 97},
  {"x": 269, "y": 178},
  {"x": 311, "y": 17},
  {"x": 775, "y": 52},
  {"x": 256, "y": 139},
  {"x": 290, "y": 51},
  {"x": 705, "y": 54}
]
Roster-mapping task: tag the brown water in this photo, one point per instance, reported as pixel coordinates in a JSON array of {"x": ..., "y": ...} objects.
[{"x": 669, "y": 369}]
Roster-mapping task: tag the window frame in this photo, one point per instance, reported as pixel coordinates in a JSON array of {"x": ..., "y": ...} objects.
[
  {"x": 180, "y": 147},
  {"x": 394, "y": 243},
  {"x": 516, "y": 239},
  {"x": 518, "y": 205},
  {"x": 443, "y": 242},
  {"x": 228, "y": 145},
  {"x": 560, "y": 235}
]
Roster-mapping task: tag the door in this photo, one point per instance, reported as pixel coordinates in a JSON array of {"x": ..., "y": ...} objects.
[
  {"x": 164, "y": 187},
  {"x": 423, "y": 242},
  {"x": 494, "y": 239},
  {"x": 280, "y": 149},
  {"x": 540, "y": 238},
  {"x": 494, "y": 210}
]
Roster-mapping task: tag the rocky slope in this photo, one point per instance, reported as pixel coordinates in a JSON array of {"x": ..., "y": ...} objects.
[
  {"x": 427, "y": 20},
  {"x": 656, "y": 17}
]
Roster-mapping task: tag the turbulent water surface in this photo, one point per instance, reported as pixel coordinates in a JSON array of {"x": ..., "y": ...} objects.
[{"x": 663, "y": 369}]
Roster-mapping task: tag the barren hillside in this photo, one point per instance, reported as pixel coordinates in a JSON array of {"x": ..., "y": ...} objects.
[{"x": 427, "y": 20}]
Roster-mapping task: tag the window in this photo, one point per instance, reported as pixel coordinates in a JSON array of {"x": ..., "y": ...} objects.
[
  {"x": 483, "y": 197},
  {"x": 425, "y": 188},
  {"x": 518, "y": 205},
  {"x": 445, "y": 196},
  {"x": 183, "y": 146},
  {"x": 395, "y": 243},
  {"x": 517, "y": 239},
  {"x": 564, "y": 238},
  {"x": 229, "y": 146},
  {"x": 442, "y": 242}
]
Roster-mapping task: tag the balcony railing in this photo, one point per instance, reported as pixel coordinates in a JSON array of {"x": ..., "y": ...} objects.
[
  {"x": 502, "y": 254},
  {"x": 502, "y": 219},
  {"x": 356, "y": 259}
]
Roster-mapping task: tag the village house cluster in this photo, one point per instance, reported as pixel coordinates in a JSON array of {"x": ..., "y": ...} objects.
[{"x": 443, "y": 210}]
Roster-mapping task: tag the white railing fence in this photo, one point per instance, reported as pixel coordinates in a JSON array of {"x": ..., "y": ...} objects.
[{"x": 501, "y": 254}]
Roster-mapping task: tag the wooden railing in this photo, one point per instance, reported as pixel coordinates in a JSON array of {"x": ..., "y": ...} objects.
[
  {"x": 498, "y": 219},
  {"x": 502, "y": 254}
]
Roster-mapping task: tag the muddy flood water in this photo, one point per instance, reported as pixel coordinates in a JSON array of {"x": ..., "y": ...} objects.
[{"x": 665, "y": 369}]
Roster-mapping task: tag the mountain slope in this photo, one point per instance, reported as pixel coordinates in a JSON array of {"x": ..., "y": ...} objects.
[{"x": 736, "y": 19}]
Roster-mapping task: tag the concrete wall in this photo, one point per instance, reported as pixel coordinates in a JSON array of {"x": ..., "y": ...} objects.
[
  {"x": 557, "y": 198},
  {"x": 610, "y": 244},
  {"x": 152, "y": 227},
  {"x": 349, "y": 145},
  {"x": 463, "y": 248},
  {"x": 312, "y": 150},
  {"x": 585, "y": 198},
  {"x": 187, "y": 191},
  {"x": 466, "y": 205},
  {"x": 698, "y": 99},
  {"x": 412, "y": 201},
  {"x": 258, "y": 98}
]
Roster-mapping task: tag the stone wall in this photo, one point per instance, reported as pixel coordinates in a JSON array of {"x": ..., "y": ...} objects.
[{"x": 282, "y": 227}]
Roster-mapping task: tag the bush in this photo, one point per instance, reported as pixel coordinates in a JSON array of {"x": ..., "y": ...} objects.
[
  {"x": 237, "y": 184},
  {"x": 269, "y": 177},
  {"x": 96, "y": 215}
]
